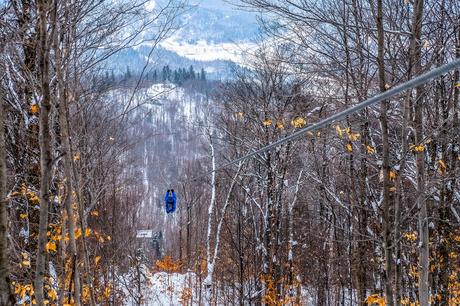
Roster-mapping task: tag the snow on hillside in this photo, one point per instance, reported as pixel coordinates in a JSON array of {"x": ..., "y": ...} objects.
[
  {"x": 213, "y": 32},
  {"x": 210, "y": 35},
  {"x": 208, "y": 51},
  {"x": 170, "y": 130},
  {"x": 169, "y": 92}
]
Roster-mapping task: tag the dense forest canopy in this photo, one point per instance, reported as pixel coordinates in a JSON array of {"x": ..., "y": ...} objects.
[{"x": 363, "y": 212}]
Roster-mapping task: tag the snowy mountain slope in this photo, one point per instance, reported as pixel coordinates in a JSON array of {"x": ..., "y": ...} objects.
[
  {"x": 171, "y": 133},
  {"x": 216, "y": 25},
  {"x": 213, "y": 31},
  {"x": 211, "y": 34},
  {"x": 205, "y": 51}
]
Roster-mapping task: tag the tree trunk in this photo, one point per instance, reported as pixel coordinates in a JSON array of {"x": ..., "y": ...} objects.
[
  {"x": 5, "y": 289},
  {"x": 45, "y": 149},
  {"x": 209, "y": 264},
  {"x": 423, "y": 234},
  {"x": 290, "y": 248},
  {"x": 386, "y": 159},
  {"x": 68, "y": 200}
]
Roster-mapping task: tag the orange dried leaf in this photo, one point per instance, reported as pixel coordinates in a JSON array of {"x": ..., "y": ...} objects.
[
  {"x": 107, "y": 292},
  {"x": 51, "y": 246},
  {"x": 26, "y": 263},
  {"x": 339, "y": 131},
  {"x": 280, "y": 124},
  {"x": 52, "y": 294},
  {"x": 298, "y": 122},
  {"x": 392, "y": 175},
  {"x": 34, "y": 109},
  {"x": 412, "y": 236},
  {"x": 77, "y": 233},
  {"x": 77, "y": 157},
  {"x": 375, "y": 299},
  {"x": 267, "y": 122},
  {"x": 370, "y": 149},
  {"x": 442, "y": 167},
  {"x": 418, "y": 148}
]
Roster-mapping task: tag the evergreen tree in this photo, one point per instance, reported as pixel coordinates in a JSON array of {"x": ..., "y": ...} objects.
[
  {"x": 191, "y": 72},
  {"x": 203, "y": 75},
  {"x": 168, "y": 73},
  {"x": 176, "y": 77},
  {"x": 164, "y": 74},
  {"x": 128, "y": 73}
]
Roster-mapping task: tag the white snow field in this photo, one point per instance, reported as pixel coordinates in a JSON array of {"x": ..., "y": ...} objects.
[
  {"x": 171, "y": 289},
  {"x": 209, "y": 51},
  {"x": 168, "y": 289}
]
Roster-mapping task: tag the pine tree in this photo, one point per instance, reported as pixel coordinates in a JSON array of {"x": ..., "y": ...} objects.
[
  {"x": 168, "y": 73},
  {"x": 176, "y": 77},
  {"x": 191, "y": 72},
  {"x": 203, "y": 75},
  {"x": 164, "y": 75}
]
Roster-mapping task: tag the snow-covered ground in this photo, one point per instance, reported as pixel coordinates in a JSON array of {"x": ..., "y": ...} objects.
[
  {"x": 168, "y": 289},
  {"x": 175, "y": 289}
]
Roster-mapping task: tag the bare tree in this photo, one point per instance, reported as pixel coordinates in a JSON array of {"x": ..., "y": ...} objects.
[
  {"x": 46, "y": 161},
  {"x": 6, "y": 297}
]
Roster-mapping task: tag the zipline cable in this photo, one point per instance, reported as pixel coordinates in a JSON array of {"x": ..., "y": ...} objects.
[{"x": 420, "y": 80}]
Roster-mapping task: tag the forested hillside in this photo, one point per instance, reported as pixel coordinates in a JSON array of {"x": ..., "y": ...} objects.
[{"x": 361, "y": 211}]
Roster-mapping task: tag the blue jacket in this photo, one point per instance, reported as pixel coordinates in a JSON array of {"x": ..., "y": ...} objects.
[{"x": 170, "y": 198}]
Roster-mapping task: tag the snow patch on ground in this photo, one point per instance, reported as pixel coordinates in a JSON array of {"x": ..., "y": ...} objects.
[
  {"x": 166, "y": 92},
  {"x": 171, "y": 289},
  {"x": 168, "y": 289}
]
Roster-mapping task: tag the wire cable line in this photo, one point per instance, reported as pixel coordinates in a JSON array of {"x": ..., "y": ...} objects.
[{"x": 417, "y": 81}]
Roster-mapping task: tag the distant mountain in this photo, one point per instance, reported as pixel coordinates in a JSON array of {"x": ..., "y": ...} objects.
[
  {"x": 217, "y": 22},
  {"x": 213, "y": 35},
  {"x": 135, "y": 60}
]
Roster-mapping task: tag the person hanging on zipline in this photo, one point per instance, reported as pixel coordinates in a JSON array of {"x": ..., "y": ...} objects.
[{"x": 170, "y": 201}]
